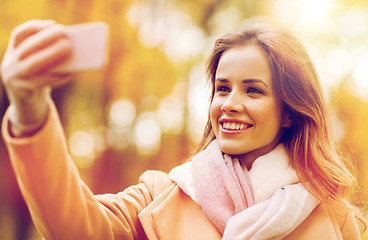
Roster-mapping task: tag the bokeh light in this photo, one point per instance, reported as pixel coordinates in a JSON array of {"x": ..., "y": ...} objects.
[
  {"x": 353, "y": 23},
  {"x": 287, "y": 12},
  {"x": 339, "y": 62},
  {"x": 170, "y": 30},
  {"x": 81, "y": 145},
  {"x": 147, "y": 135},
  {"x": 198, "y": 102},
  {"x": 346, "y": 58},
  {"x": 315, "y": 10},
  {"x": 122, "y": 113},
  {"x": 360, "y": 75},
  {"x": 100, "y": 138},
  {"x": 171, "y": 114}
]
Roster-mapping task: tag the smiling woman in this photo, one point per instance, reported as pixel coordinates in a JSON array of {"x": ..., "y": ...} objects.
[
  {"x": 266, "y": 168},
  {"x": 298, "y": 119},
  {"x": 244, "y": 96}
]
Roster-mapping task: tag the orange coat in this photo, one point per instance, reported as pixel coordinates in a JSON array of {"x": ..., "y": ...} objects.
[{"x": 63, "y": 207}]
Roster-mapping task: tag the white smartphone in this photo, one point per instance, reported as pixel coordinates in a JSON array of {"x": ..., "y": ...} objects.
[{"x": 90, "y": 47}]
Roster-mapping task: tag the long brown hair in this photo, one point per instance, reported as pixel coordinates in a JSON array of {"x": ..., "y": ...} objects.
[{"x": 309, "y": 142}]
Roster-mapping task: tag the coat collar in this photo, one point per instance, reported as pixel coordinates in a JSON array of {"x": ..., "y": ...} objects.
[
  {"x": 174, "y": 215},
  {"x": 321, "y": 224}
]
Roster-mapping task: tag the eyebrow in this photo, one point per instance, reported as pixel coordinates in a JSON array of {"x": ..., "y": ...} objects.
[{"x": 245, "y": 81}]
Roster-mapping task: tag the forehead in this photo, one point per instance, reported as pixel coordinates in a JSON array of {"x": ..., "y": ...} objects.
[{"x": 243, "y": 62}]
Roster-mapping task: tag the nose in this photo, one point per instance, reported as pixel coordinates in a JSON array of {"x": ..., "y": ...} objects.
[{"x": 232, "y": 104}]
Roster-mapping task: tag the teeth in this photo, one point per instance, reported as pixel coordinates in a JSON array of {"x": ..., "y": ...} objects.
[{"x": 233, "y": 126}]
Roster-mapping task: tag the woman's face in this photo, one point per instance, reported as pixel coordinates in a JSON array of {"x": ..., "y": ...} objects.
[{"x": 246, "y": 114}]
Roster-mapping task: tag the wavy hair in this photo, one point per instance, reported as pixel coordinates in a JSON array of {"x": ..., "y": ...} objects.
[{"x": 313, "y": 152}]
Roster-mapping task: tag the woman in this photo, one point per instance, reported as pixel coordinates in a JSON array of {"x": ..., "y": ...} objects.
[{"x": 267, "y": 167}]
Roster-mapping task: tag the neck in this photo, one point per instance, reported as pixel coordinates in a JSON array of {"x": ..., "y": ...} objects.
[{"x": 248, "y": 158}]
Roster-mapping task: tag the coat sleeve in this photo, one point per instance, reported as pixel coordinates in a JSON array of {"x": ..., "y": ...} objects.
[{"x": 61, "y": 205}]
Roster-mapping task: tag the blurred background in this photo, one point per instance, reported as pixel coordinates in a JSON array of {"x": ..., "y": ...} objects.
[{"x": 148, "y": 108}]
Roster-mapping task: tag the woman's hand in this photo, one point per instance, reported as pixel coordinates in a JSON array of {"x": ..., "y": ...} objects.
[{"x": 35, "y": 47}]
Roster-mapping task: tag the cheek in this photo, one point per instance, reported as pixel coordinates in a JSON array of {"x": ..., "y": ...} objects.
[
  {"x": 212, "y": 113},
  {"x": 268, "y": 113},
  {"x": 215, "y": 107},
  {"x": 271, "y": 117},
  {"x": 215, "y": 113}
]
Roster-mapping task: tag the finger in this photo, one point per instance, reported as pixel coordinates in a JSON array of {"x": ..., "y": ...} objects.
[
  {"x": 40, "y": 40},
  {"x": 46, "y": 58},
  {"x": 43, "y": 80},
  {"x": 52, "y": 79},
  {"x": 27, "y": 29},
  {"x": 61, "y": 79}
]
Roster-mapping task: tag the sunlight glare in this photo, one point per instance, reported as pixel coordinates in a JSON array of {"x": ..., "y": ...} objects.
[
  {"x": 316, "y": 15},
  {"x": 198, "y": 103},
  {"x": 339, "y": 62},
  {"x": 287, "y": 12},
  {"x": 353, "y": 23},
  {"x": 316, "y": 8},
  {"x": 360, "y": 75}
]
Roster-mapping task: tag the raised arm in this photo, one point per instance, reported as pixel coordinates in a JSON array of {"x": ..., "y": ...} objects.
[
  {"x": 35, "y": 47},
  {"x": 61, "y": 205}
]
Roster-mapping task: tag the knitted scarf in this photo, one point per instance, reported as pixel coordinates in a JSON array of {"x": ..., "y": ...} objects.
[{"x": 266, "y": 202}]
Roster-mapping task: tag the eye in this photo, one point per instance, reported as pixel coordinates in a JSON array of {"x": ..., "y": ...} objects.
[
  {"x": 254, "y": 90},
  {"x": 221, "y": 88}
]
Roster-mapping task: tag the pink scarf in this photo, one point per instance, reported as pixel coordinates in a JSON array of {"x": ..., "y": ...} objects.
[
  {"x": 266, "y": 202},
  {"x": 222, "y": 187}
]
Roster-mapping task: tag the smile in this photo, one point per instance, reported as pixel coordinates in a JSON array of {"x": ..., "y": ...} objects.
[{"x": 233, "y": 126}]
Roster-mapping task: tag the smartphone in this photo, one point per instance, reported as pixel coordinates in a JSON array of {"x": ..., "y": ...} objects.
[{"x": 90, "y": 47}]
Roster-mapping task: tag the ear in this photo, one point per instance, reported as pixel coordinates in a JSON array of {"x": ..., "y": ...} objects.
[{"x": 288, "y": 120}]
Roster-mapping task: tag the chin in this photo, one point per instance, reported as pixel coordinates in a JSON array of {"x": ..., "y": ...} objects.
[{"x": 231, "y": 150}]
